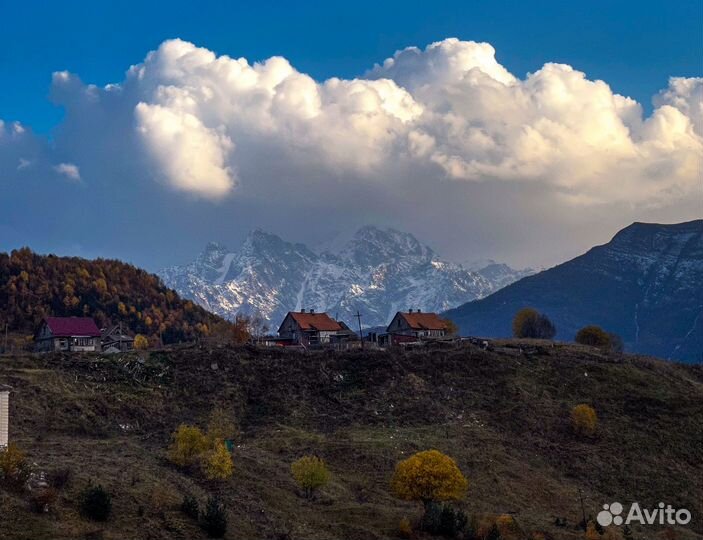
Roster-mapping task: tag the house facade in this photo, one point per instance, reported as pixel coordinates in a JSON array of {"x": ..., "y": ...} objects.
[
  {"x": 414, "y": 325},
  {"x": 114, "y": 339},
  {"x": 308, "y": 328},
  {"x": 77, "y": 334}
]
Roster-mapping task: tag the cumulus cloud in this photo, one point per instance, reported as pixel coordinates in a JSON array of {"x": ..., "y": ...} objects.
[{"x": 425, "y": 130}]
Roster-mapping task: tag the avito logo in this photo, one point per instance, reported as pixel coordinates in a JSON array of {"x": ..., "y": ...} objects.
[{"x": 665, "y": 514}]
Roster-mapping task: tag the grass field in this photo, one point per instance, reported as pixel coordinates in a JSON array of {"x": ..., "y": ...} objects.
[{"x": 503, "y": 416}]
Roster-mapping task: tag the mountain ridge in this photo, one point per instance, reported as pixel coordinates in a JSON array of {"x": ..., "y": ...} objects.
[
  {"x": 377, "y": 271},
  {"x": 640, "y": 285}
]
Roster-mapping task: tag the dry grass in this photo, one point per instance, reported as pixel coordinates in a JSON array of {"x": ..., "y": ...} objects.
[{"x": 504, "y": 417}]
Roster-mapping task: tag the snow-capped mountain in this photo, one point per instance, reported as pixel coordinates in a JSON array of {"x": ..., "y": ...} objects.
[{"x": 377, "y": 272}]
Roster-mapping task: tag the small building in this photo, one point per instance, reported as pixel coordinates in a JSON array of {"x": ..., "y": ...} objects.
[
  {"x": 308, "y": 328},
  {"x": 4, "y": 415},
  {"x": 416, "y": 325},
  {"x": 76, "y": 334},
  {"x": 115, "y": 340}
]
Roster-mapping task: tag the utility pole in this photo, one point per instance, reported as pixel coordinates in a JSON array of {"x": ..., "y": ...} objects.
[{"x": 361, "y": 334}]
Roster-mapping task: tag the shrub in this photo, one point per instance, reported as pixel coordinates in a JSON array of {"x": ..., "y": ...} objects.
[
  {"x": 214, "y": 519},
  {"x": 310, "y": 473},
  {"x": 96, "y": 503},
  {"x": 405, "y": 528},
  {"x": 141, "y": 343},
  {"x": 43, "y": 499},
  {"x": 60, "y": 478},
  {"x": 14, "y": 467},
  {"x": 428, "y": 476},
  {"x": 188, "y": 443},
  {"x": 594, "y": 336},
  {"x": 584, "y": 420},
  {"x": 529, "y": 323},
  {"x": 189, "y": 507},
  {"x": 507, "y": 527},
  {"x": 217, "y": 463}
]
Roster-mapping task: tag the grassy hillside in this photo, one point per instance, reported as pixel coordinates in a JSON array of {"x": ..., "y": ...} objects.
[
  {"x": 34, "y": 286},
  {"x": 504, "y": 417}
]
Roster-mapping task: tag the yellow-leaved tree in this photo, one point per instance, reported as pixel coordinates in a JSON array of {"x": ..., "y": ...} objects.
[
  {"x": 217, "y": 464},
  {"x": 584, "y": 420},
  {"x": 188, "y": 443},
  {"x": 428, "y": 477},
  {"x": 310, "y": 473},
  {"x": 141, "y": 343}
]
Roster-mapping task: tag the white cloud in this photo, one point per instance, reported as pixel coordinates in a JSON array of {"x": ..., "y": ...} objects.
[
  {"x": 451, "y": 107},
  {"x": 438, "y": 138},
  {"x": 69, "y": 170}
]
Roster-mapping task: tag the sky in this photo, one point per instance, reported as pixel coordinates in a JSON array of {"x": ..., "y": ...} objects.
[{"x": 525, "y": 132}]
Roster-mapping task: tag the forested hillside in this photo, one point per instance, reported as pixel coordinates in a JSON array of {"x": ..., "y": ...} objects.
[{"x": 34, "y": 286}]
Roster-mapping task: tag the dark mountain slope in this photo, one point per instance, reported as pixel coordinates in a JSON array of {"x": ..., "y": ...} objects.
[{"x": 646, "y": 285}]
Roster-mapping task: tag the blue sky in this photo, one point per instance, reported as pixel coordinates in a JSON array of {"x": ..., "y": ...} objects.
[{"x": 634, "y": 46}]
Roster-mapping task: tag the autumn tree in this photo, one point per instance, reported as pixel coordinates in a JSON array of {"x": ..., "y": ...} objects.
[
  {"x": 141, "y": 343},
  {"x": 428, "y": 477},
  {"x": 584, "y": 420},
  {"x": 217, "y": 463},
  {"x": 452, "y": 328},
  {"x": 595, "y": 336},
  {"x": 241, "y": 330},
  {"x": 189, "y": 442},
  {"x": 530, "y": 323},
  {"x": 310, "y": 473}
]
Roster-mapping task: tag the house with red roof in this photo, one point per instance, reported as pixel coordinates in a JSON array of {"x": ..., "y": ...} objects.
[
  {"x": 308, "y": 328},
  {"x": 415, "y": 325},
  {"x": 68, "y": 334}
]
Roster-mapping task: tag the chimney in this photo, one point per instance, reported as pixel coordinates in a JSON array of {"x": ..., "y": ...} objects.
[
  {"x": 302, "y": 310},
  {"x": 417, "y": 310},
  {"x": 312, "y": 311},
  {"x": 410, "y": 311}
]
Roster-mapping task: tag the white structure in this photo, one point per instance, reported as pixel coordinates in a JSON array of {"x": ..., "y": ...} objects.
[{"x": 4, "y": 415}]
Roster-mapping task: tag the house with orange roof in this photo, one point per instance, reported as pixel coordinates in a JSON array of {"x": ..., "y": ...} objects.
[
  {"x": 307, "y": 328},
  {"x": 414, "y": 325}
]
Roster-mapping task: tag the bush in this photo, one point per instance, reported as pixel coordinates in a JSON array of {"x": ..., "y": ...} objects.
[
  {"x": 217, "y": 463},
  {"x": 141, "y": 343},
  {"x": 594, "y": 336},
  {"x": 310, "y": 473},
  {"x": 96, "y": 503},
  {"x": 405, "y": 528},
  {"x": 60, "y": 478},
  {"x": 43, "y": 499},
  {"x": 584, "y": 420},
  {"x": 214, "y": 519},
  {"x": 428, "y": 476},
  {"x": 529, "y": 323},
  {"x": 189, "y": 507},
  {"x": 14, "y": 467},
  {"x": 189, "y": 442},
  {"x": 443, "y": 520}
]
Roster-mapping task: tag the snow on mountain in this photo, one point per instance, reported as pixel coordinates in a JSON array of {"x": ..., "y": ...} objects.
[{"x": 377, "y": 271}]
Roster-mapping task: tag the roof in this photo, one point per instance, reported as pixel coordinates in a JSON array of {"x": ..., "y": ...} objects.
[
  {"x": 72, "y": 326},
  {"x": 315, "y": 321},
  {"x": 418, "y": 320}
]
